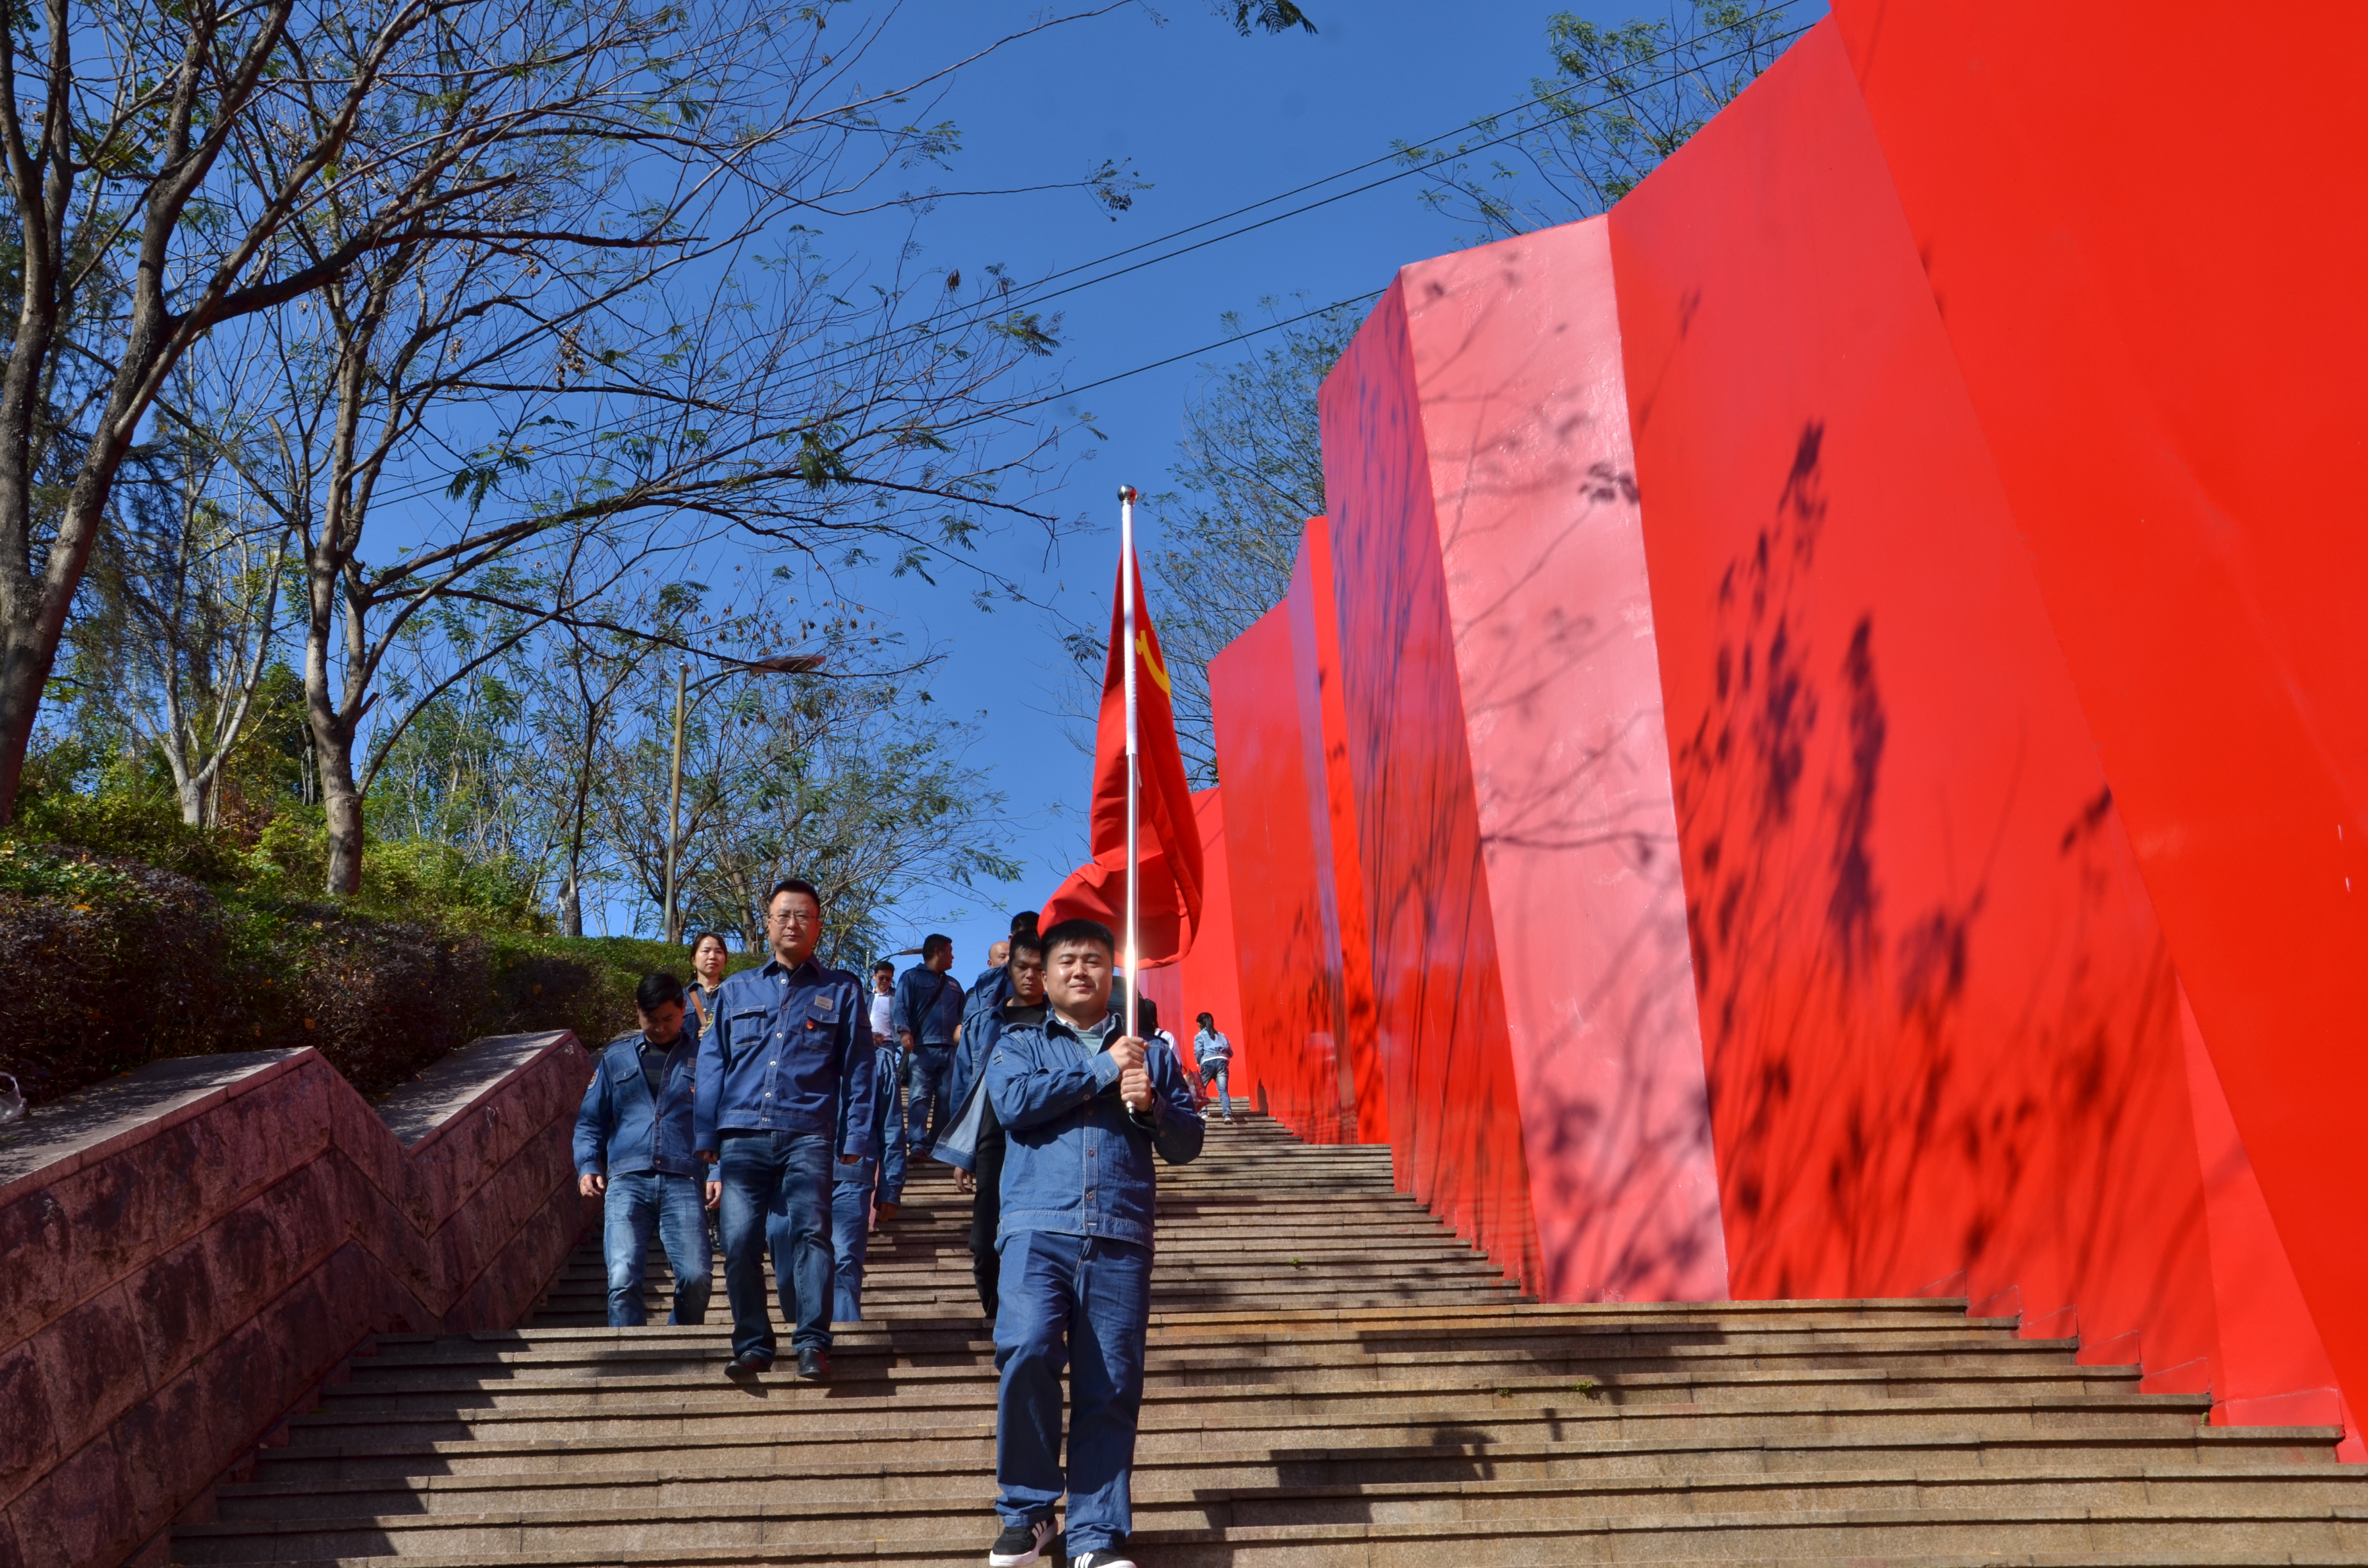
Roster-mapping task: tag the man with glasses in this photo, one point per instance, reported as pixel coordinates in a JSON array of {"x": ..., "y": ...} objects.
[{"x": 787, "y": 1043}]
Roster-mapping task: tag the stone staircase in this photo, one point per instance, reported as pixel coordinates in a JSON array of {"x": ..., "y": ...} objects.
[{"x": 1334, "y": 1380}]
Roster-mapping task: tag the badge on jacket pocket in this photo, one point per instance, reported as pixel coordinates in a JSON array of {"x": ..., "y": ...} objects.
[{"x": 823, "y": 1008}]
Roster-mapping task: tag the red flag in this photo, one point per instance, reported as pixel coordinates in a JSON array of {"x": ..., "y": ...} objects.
[{"x": 1168, "y": 905}]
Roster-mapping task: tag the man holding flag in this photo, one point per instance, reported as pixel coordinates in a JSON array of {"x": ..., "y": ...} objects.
[{"x": 1088, "y": 1110}]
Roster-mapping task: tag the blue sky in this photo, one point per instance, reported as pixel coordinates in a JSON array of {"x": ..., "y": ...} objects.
[{"x": 1213, "y": 121}]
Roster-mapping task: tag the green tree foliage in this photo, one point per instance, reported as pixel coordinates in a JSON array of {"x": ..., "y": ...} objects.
[{"x": 1620, "y": 99}]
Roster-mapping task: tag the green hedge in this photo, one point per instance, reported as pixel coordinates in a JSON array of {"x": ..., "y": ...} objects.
[{"x": 115, "y": 963}]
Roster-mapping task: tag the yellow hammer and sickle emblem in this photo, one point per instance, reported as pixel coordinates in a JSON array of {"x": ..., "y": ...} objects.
[{"x": 1151, "y": 661}]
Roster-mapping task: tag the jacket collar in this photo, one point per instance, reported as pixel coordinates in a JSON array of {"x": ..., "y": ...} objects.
[{"x": 808, "y": 970}]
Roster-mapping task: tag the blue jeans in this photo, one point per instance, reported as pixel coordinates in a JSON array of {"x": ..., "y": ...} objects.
[
  {"x": 1213, "y": 1072},
  {"x": 777, "y": 1192},
  {"x": 925, "y": 1076},
  {"x": 674, "y": 1207},
  {"x": 850, "y": 1234},
  {"x": 1059, "y": 1294},
  {"x": 891, "y": 1145}
]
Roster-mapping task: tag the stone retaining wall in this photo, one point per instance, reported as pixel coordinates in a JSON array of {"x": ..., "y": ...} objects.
[{"x": 191, "y": 1249}]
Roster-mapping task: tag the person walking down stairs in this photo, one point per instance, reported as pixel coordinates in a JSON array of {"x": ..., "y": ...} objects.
[
  {"x": 634, "y": 1152},
  {"x": 1215, "y": 1054},
  {"x": 1084, "y": 1107},
  {"x": 974, "y": 1145},
  {"x": 788, "y": 1042}
]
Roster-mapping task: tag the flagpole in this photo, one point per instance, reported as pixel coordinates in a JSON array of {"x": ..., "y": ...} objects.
[{"x": 1133, "y": 772}]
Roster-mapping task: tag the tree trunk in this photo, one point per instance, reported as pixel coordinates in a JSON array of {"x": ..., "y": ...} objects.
[
  {"x": 343, "y": 802},
  {"x": 571, "y": 908},
  {"x": 23, "y": 672},
  {"x": 192, "y": 795}
]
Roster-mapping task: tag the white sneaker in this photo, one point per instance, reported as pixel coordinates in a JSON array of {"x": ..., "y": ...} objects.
[
  {"x": 1019, "y": 1545},
  {"x": 1101, "y": 1560}
]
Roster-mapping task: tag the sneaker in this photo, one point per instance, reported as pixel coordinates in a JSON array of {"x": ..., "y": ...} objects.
[
  {"x": 1019, "y": 1545},
  {"x": 1101, "y": 1560}
]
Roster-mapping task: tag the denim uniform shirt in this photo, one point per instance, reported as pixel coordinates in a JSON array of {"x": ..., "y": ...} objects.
[
  {"x": 621, "y": 1131},
  {"x": 982, "y": 1021},
  {"x": 932, "y": 1010},
  {"x": 1077, "y": 1162},
  {"x": 886, "y": 1126},
  {"x": 782, "y": 1048}
]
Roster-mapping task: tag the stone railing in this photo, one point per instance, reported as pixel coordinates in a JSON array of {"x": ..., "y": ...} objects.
[{"x": 187, "y": 1252}]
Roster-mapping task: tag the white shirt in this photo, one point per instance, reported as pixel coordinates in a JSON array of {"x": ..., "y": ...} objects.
[{"x": 881, "y": 1008}]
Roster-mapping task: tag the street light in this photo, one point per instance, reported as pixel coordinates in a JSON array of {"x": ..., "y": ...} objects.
[{"x": 778, "y": 665}]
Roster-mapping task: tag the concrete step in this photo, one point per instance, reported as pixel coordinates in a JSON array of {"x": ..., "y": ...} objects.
[
  {"x": 1443, "y": 1416},
  {"x": 1488, "y": 1523},
  {"x": 1522, "y": 1452},
  {"x": 1198, "y": 1495}
]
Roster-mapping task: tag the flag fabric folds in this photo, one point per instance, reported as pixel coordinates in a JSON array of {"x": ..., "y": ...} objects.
[{"x": 1169, "y": 906}]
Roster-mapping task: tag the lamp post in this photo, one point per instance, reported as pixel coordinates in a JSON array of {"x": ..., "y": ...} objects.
[{"x": 779, "y": 665}]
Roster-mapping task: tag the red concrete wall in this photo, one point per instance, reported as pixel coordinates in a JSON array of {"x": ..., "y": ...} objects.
[
  {"x": 1899, "y": 493},
  {"x": 173, "y": 1290},
  {"x": 1332, "y": 827},
  {"x": 1532, "y": 506},
  {"x": 1455, "y": 1121},
  {"x": 1287, "y": 963},
  {"x": 2269, "y": 1368},
  {"x": 2149, "y": 241},
  {"x": 1209, "y": 980},
  {"x": 1940, "y": 1023}
]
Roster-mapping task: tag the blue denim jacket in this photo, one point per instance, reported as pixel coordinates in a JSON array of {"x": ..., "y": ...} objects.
[
  {"x": 785, "y": 1045},
  {"x": 1077, "y": 1162},
  {"x": 621, "y": 1131},
  {"x": 982, "y": 1022},
  {"x": 887, "y": 1127},
  {"x": 933, "y": 1011}
]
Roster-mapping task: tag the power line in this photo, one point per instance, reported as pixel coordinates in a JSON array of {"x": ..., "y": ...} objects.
[
  {"x": 1406, "y": 172},
  {"x": 1192, "y": 353},
  {"x": 1032, "y": 294}
]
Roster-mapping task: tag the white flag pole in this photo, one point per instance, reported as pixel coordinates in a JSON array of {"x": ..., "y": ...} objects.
[{"x": 1133, "y": 772}]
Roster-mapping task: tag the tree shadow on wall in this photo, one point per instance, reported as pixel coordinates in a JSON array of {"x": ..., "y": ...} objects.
[
  {"x": 1438, "y": 1018},
  {"x": 1540, "y": 523},
  {"x": 1887, "y": 1113}
]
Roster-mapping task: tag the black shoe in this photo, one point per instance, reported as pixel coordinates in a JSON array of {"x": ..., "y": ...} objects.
[
  {"x": 814, "y": 1365},
  {"x": 747, "y": 1369},
  {"x": 1019, "y": 1545}
]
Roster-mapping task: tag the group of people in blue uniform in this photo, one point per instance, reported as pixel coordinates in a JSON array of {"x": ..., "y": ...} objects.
[{"x": 769, "y": 1098}]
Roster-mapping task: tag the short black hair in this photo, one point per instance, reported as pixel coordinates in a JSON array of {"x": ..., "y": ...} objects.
[
  {"x": 656, "y": 991},
  {"x": 1027, "y": 942},
  {"x": 794, "y": 884},
  {"x": 1023, "y": 921},
  {"x": 884, "y": 963},
  {"x": 1081, "y": 930},
  {"x": 702, "y": 936},
  {"x": 1146, "y": 1016},
  {"x": 935, "y": 942}
]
